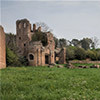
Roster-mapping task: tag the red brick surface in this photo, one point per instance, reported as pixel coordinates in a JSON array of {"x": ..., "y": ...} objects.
[{"x": 2, "y": 48}]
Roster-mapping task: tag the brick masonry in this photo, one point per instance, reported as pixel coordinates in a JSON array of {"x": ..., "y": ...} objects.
[
  {"x": 35, "y": 52},
  {"x": 2, "y": 49}
]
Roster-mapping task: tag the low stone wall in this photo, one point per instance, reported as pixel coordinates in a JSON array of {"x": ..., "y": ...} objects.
[
  {"x": 2, "y": 49},
  {"x": 85, "y": 61}
]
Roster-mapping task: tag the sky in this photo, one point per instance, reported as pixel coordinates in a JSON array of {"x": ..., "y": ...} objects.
[{"x": 67, "y": 19}]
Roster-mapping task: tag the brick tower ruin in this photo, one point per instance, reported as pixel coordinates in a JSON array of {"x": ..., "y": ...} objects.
[
  {"x": 2, "y": 49},
  {"x": 36, "y": 52},
  {"x": 23, "y": 30}
]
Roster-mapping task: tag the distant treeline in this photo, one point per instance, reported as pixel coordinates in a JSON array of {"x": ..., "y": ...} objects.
[{"x": 85, "y": 48}]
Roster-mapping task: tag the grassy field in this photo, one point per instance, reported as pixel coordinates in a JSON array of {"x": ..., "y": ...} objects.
[{"x": 42, "y": 83}]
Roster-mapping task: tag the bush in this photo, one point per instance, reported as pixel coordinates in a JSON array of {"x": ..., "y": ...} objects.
[
  {"x": 11, "y": 58},
  {"x": 98, "y": 54},
  {"x": 23, "y": 61},
  {"x": 92, "y": 54},
  {"x": 70, "y": 53},
  {"x": 80, "y": 54}
]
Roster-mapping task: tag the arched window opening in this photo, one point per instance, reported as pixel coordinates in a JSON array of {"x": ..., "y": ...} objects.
[
  {"x": 31, "y": 57},
  {"x": 24, "y": 25},
  {"x": 19, "y": 38},
  {"x": 20, "y": 26},
  {"x": 24, "y": 44}
]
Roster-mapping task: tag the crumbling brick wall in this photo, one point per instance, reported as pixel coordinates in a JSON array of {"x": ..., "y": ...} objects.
[
  {"x": 51, "y": 47},
  {"x": 36, "y": 55},
  {"x": 23, "y": 30},
  {"x": 2, "y": 48},
  {"x": 29, "y": 45},
  {"x": 62, "y": 56}
]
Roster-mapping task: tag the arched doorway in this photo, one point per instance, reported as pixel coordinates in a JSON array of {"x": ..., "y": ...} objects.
[{"x": 46, "y": 59}]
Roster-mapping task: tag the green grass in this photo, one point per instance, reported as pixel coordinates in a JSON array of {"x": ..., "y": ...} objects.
[{"x": 42, "y": 83}]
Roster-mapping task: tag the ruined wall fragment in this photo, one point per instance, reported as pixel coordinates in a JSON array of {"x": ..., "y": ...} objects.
[{"x": 2, "y": 49}]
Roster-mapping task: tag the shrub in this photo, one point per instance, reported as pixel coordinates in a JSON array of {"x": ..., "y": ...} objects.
[
  {"x": 23, "y": 61},
  {"x": 80, "y": 54},
  {"x": 11, "y": 58},
  {"x": 92, "y": 54},
  {"x": 98, "y": 54},
  {"x": 70, "y": 53}
]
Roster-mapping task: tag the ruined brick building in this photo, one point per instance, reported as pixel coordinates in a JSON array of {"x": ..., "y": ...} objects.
[
  {"x": 2, "y": 48},
  {"x": 41, "y": 52}
]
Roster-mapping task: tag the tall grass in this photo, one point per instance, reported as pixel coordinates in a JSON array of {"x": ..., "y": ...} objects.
[{"x": 42, "y": 83}]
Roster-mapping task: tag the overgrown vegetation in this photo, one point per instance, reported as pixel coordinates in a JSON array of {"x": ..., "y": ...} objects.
[
  {"x": 40, "y": 36},
  {"x": 42, "y": 83},
  {"x": 11, "y": 41},
  {"x": 80, "y": 49},
  {"x": 73, "y": 53},
  {"x": 13, "y": 59}
]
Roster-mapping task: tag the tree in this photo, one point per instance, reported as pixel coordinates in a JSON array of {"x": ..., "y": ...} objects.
[
  {"x": 11, "y": 58},
  {"x": 62, "y": 43},
  {"x": 44, "y": 26},
  {"x": 56, "y": 42},
  {"x": 86, "y": 43},
  {"x": 75, "y": 42},
  {"x": 40, "y": 36},
  {"x": 11, "y": 41},
  {"x": 95, "y": 42}
]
